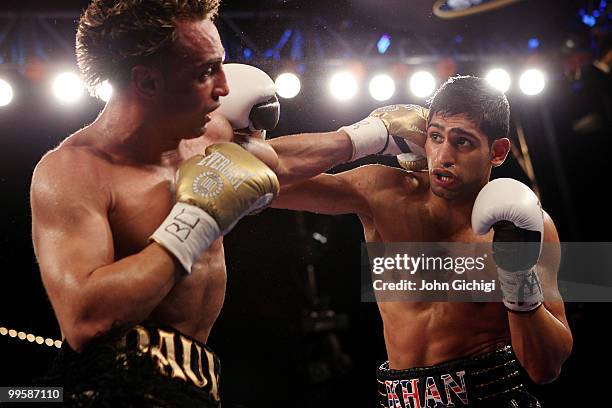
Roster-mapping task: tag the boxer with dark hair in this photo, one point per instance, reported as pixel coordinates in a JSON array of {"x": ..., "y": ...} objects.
[{"x": 446, "y": 354}]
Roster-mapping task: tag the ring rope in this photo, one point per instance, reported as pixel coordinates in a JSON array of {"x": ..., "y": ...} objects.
[{"x": 23, "y": 336}]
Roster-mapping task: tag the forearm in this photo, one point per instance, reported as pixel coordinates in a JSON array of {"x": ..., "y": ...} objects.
[
  {"x": 122, "y": 293},
  {"x": 541, "y": 342},
  {"x": 304, "y": 156}
]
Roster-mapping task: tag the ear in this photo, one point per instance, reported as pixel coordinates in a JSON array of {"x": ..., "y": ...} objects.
[
  {"x": 147, "y": 81},
  {"x": 499, "y": 151}
]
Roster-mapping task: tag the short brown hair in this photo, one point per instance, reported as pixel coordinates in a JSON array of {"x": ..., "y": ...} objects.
[{"x": 114, "y": 35}]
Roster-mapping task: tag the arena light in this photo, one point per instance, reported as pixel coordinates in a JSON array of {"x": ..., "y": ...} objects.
[
  {"x": 104, "y": 91},
  {"x": 383, "y": 43},
  {"x": 532, "y": 82},
  {"x": 422, "y": 84},
  {"x": 382, "y": 87},
  {"x": 287, "y": 85},
  {"x": 6, "y": 93},
  {"x": 533, "y": 43},
  {"x": 499, "y": 79},
  {"x": 67, "y": 87},
  {"x": 343, "y": 86}
]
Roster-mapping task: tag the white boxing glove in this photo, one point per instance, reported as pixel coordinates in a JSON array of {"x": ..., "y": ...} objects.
[
  {"x": 515, "y": 214},
  {"x": 251, "y": 104}
]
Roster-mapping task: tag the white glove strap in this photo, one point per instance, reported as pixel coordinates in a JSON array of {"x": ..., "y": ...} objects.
[
  {"x": 521, "y": 290},
  {"x": 187, "y": 232},
  {"x": 370, "y": 136}
]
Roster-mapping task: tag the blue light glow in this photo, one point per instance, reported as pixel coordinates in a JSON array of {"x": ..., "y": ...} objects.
[
  {"x": 383, "y": 43},
  {"x": 533, "y": 43},
  {"x": 589, "y": 20}
]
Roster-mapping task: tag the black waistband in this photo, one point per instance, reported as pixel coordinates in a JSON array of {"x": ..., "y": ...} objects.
[
  {"x": 176, "y": 355},
  {"x": 134, "y": 358},
  {"x": 472, "y": 381}
]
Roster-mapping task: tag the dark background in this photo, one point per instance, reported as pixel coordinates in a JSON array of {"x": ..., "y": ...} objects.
[{"x": 270, "y": 355}]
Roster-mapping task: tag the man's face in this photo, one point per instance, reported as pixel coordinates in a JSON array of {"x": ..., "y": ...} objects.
[
  {"x": 458, "y": 155},
  {"x": 193, "y": 78}
]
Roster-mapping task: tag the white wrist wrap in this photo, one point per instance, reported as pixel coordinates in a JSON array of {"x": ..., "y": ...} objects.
[
  {"x": 370, "y": 136},
  {"x": 187, "y": 232},
  {"x": 521, "y": 290}
]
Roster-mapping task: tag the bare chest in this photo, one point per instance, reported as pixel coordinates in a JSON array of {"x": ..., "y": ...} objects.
[
  {"x": 452, "y": 328},
  {"x": 142, "y": 200}
]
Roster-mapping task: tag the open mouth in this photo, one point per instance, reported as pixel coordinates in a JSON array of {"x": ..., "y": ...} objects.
[{"x": 443, "y": 177}]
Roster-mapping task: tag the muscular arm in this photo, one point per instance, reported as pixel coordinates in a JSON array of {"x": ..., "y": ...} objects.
[
  {"x": 542, "y": 339},
  {"x": 89, "y": 290},
  {"x": 306, "y": 155},
  {"x": 343, "y": 193}
]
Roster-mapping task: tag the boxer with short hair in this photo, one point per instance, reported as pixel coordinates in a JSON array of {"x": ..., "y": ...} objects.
[
  {"x": 129, "y": 213},
  {"x": 446, "y": 354}
]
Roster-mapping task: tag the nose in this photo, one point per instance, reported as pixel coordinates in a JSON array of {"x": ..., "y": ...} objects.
[
  {"x": 221, "y": 87},
  {"x": 446, "y": 155}
]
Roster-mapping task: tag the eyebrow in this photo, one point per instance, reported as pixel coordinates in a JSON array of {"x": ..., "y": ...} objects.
[
  {"x": 454, "y": 130},
  {"x": 210, "y": 62}
]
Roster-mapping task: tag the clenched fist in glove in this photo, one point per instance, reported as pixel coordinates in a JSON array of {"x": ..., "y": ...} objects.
[{"x": 212, "y": 193}]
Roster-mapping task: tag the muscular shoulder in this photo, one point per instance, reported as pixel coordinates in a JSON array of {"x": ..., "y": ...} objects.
[
  {"x": 550, "y": 230},
  {"x": 379, "y": 178},
  {"x": 69, "y": 172}
]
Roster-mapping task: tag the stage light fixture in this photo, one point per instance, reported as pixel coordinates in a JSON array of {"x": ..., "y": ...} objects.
[
  {"x": 422, "y": 84},
  {"x": 499, "y": 79},
  {"x": 382, "y": 87},
  {"x": 6, "y": 93},
  {"x": 67, "y": 87},
  {"x": 104, "y": 91},
  {"x": 287, "y": 85},
  {"x": 343, "y": 86},
  {"x": 532, "y": 82}
]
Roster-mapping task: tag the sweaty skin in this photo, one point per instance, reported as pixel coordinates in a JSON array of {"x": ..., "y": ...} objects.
[
  {"x": 398, "y": 206},
  {"x": 98, "y": 197},
  {"x": 122, "y": 202}
]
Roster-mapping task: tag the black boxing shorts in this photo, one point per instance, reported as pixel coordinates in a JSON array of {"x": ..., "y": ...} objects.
[
  {"x": 149, "y": 365},
  {"x": 489, "y": 380}
]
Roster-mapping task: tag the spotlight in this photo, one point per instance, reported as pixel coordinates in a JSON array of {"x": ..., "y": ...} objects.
[
  {"x": 382, "y": 87},
  {"x": 422, "y": 84},
  {"x": 343, "y": 86},
  {"x": 67, "y": 87},
  {"x": 6, "y": 93},
  {"x": 104, "y": 91},
  {"x": 532, "y": 82},
  {"x": 383, "y": 44},
  {"x": 287, "y": 85},
  {"x": 533, "y": 43},
  {"x": 499, "y": 79}
]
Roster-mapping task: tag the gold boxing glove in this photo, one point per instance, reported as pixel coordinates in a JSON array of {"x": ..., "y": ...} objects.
[
  {"x": 213, "y": 192},
  {"x": 392, "y": 130}
]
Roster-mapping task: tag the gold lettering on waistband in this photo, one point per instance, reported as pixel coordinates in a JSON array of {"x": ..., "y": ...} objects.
[
  {"x": 143, "y": 341},
  {"x": 167, "y": 338},
  {"x": 187, "y": 362},
  {"x": 214, "y": 390}
]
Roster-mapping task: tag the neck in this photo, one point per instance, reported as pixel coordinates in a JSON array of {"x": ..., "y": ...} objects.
[
  {"x": 453, "y": 214},
  {"x": 131, "y": 130}
]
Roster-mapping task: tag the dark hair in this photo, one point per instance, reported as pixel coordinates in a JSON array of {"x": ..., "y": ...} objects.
[
  {"x": 114, "y": 35},
  {"x": 474, "y": 97}
]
